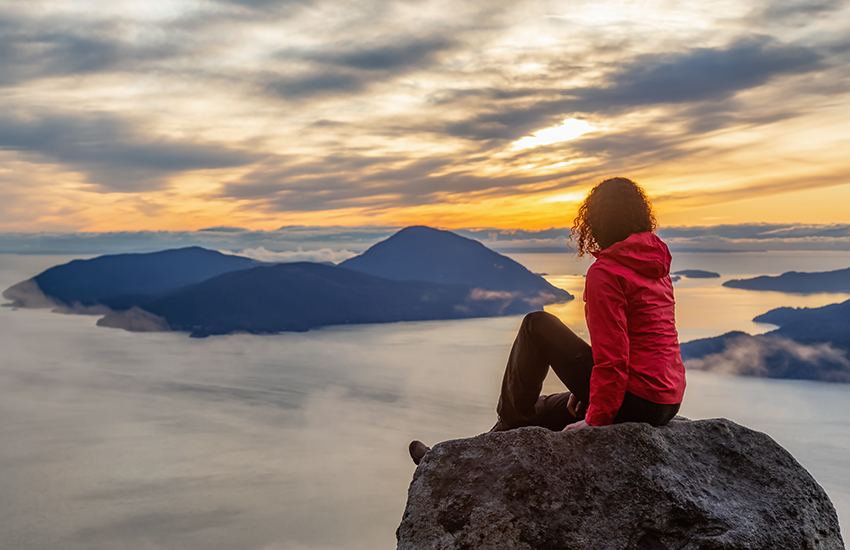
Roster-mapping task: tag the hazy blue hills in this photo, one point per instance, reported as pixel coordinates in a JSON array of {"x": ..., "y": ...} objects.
[
  {"x": 420, "y": 253},
  {"x": 205, "y": 292},
  {"x": 697, "y": 274},
  {"x": 301, "y": 296},
  {"x": 131, "y": 276},
  {"x": 810, "y": 344},
  {"x": 829, "y": 323},
  {"x": 797, "y": 282}
]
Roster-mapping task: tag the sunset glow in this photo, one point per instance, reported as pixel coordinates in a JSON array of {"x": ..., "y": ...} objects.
[
  {"x": 570, "y": 129},
  {"x": 260, "y": 114}
]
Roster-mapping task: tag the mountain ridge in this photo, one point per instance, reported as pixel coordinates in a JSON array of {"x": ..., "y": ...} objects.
[
  {"x": 797, "y": 282},
  {"x": 162, "y": 290},
  {"x": 421, "y": 253}
]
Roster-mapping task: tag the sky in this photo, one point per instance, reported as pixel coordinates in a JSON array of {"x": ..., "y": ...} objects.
[{"x": 183, "y": 115}]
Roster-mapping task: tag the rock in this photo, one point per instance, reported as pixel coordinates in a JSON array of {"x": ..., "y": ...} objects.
[{"x": 702, "y": 485}]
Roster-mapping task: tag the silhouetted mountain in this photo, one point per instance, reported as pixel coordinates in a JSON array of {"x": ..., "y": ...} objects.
[
  {"x": 421, "y": 253},
  {"x": 810, "y": 344},
  {"x": 697, "y": 274},
  {"x": 768, "y": 356},
  {"x": 301, "y": 296},
  {"x": 418, "y": 274},
  {"x": 706, "y": 346},
  {"x": 124, "y": 279},
  {"x": 829, "y": 323},
  {"x": 797, "y": 282}
]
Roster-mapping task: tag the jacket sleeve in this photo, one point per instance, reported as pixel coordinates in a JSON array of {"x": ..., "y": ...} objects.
[{"x": 609, "y": 337}]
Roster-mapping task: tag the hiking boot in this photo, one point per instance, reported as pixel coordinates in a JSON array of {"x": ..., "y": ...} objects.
[{"x": 417, "y": 450}]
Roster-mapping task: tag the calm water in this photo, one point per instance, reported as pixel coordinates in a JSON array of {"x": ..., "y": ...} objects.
[{"x": 299, "y": 441}]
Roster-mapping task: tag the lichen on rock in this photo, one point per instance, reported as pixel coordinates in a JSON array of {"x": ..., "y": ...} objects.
[{"x": 701, "y": 485}]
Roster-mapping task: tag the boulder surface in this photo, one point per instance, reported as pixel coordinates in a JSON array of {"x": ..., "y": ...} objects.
[{"x": 701, "y": 485}]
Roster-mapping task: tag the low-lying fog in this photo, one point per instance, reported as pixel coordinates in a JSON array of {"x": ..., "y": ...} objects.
[{"x": 110, "y": 439}]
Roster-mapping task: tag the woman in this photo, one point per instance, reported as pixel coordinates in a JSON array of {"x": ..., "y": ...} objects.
[{"x": 634, "y": 371}]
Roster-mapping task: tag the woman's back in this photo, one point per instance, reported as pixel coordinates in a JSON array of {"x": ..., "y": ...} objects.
[{"x": 630, "y": 311}]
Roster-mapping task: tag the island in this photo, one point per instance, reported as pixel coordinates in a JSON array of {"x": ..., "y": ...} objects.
[
  {"x": 697, "y": 274},
  {"x": 131, "y": 278},
  {"x": 420, "y": 253},
  {"x": 809, "y": 344},
  {"x": 418, "y": 274},
  {"x": 797, "y": 282}
]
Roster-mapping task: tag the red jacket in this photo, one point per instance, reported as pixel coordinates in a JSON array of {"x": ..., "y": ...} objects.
[{"x": 630, "y": 313}]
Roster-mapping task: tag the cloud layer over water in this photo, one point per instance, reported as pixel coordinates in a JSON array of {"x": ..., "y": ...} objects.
[{"x": 335, "y": 244}]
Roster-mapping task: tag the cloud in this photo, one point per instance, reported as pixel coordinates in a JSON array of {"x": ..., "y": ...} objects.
[
  {"x": 263, "y": 5},
  {"x": 759, "y": 231},
  {"x": 44, "y": 47},
  {"x": 352, "y": 67},
  {"x": 334, "y": 243},
  {"x": 777, "y": 357},
  {"x": 117, "y": 154},
  {"x": 300, "y": 255},
  {"x": 693, "y": 76},
  {"x": 700, "y": 74},
  {"x": 258, "y": 108},
  {"x": 29, "y": 295},
  {"x": 316, "y": 83},
  {"x": 760, "y": 236},
  {"x": 134, "y": 320},
  {"x": 797, "y": 12},
  {"x": 395, "y": 55},
  {"x": 294, "y": 240}
]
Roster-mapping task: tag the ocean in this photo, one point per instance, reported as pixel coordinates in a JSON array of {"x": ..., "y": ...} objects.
[{"x": 298, "y": 441}]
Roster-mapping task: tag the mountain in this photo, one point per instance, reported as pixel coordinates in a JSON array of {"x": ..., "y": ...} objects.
[
  {"x": 707, "y": 346},
  {"x": 418, "y": 274},
  {"x": 421, "y": 253},
  {"x": 797, "y": 282},
  {"x": 123, "y": 279},
  {"x": 301, "y": 296},
  {"x": 810, "y": 344},
  {"x": 697, "y": 274},
  {"x": 829, "y": 323}
]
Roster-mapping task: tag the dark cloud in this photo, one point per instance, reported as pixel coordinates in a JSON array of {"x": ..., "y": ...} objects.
[
  {"x": 263, "y": 4},
  {"x": 116, "y": 153},
  {"x": 799, "y": 12},
  {"x": 701, "y": 74},
  {"x": 396, "y": 55},
  {"x": 694, "y": 76},
  {"x": 349, "y": 68},
  {"x": 32, "y": 48},
  {"x": 313, "y": 84}
]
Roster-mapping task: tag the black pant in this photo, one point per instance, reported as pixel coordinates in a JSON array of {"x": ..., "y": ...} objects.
[{"x": 544, "y": 341}]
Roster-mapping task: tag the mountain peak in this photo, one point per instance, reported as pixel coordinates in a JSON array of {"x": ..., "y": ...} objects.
[{"x": 422, "y": 253}]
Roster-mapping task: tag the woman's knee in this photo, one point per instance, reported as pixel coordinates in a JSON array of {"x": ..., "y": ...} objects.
[{"x": 537, "y": 318}]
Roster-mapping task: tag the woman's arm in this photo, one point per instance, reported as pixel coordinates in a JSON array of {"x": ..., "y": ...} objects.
[{"x": 609, "y": 336}]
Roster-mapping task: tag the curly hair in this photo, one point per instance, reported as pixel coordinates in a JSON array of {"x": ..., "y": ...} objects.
[{"x": 613, "y": 210}]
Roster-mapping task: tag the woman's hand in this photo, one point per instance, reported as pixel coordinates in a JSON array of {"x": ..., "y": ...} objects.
[
  {"x": 575, "y": 406},
  {"x": 576, "y": 426}
]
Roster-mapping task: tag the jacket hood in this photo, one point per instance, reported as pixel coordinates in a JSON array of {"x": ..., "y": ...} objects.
[{"x": 643, "y": 252}]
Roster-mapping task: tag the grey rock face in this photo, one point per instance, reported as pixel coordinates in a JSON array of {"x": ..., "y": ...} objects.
[{"x": 702, "y": 485}]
